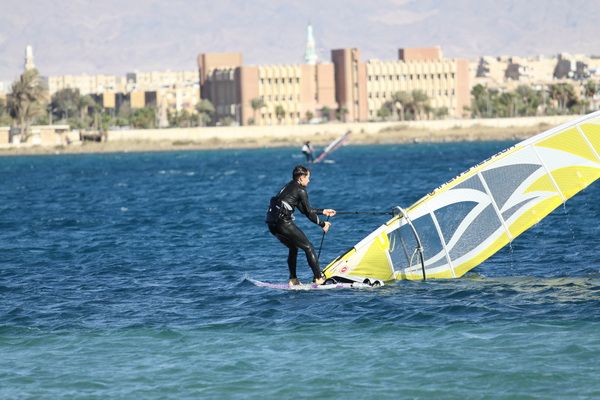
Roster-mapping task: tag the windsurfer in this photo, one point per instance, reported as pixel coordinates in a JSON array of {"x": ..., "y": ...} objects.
[
  {"x": 281, "y": 222},
  {"x": 308, "y": 151}
]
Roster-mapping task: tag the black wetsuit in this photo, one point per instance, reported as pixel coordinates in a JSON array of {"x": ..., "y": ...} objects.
[{"x": 281, "y": 225}]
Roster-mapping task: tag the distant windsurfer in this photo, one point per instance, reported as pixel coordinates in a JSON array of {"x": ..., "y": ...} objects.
[
  {"x": 280, "y": 219},
  {"x": 308, "y": 151}
]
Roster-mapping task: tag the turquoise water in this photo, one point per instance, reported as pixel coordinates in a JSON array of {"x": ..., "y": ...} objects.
[{"x": 124, "y": 276}]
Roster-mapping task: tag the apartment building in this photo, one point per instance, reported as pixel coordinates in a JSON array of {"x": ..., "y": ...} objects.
[
  {"x": 176, "y": 90},
  {"x": 294, "y": 90},
  {"x": 506, "y": 73},
  {"x": 87, "y": 84},
  {"x": 305, "y": 90}
]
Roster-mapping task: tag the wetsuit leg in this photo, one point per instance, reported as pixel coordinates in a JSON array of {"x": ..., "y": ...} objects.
[
  {"x": 294, "y": 237},
  {"x": 293, "y": 250}
]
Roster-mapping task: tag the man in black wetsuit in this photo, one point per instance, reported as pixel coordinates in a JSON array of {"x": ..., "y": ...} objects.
[{"x": 281, "y": 222}]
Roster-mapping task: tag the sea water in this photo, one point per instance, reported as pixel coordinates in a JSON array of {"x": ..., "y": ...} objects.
[{"x": 123, "y": 276}]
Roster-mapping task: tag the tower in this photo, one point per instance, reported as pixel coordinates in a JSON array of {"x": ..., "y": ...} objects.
[
  {"x": 29, "y": 58},
  {"x": 310, "y": 56}
]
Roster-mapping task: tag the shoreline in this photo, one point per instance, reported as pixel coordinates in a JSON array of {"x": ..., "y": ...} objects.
[{"x": 390, "y": 135}]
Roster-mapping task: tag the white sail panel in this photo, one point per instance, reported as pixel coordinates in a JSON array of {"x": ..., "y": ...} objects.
[{"x": 468, "y": 219}]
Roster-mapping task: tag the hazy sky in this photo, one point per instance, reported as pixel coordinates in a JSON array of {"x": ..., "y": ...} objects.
[{"x": 117, "y": 36}]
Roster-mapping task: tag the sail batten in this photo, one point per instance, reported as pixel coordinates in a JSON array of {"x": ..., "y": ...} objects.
[
  {"x": 548, "y": 174},
  {"x": 469, "y": 218}
]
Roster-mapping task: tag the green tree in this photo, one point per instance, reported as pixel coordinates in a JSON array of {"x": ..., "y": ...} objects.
[
  {"x": 280, "y": 113},
  {"x": 401, "y": 101},
  {"x": 590, "y": 90},
  {"x": 205, "y": 111},
  {"x": 144, "y": 118},
  {"x": 343, "y": 112},
  {"x": 557, "y": 94},
  {"x": 440, "y": 113},
  {"x": 420, "y": 100},
  {"x": 384, "y": 112},
  {"x": 25, "y": 100},
  {"x": 83, "y": 105},
  {"x": 4, "y": 117},
  {"x": 326, "y": 113},
  {"x": 65, "y": 101},
  {"x": 256, "y": 105},
  {"x": 480, "y": 101},
  {"x": 309, "y": 116},
  {"x": 529, "y": 100}
]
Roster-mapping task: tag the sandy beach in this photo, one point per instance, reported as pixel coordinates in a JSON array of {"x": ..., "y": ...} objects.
[{"x": 286, "y": 137}]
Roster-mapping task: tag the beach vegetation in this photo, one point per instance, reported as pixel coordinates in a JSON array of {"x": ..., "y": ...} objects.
[
  {"x": 144, "y": 118},
  {"x": 525, "y": 101},
  {"x": 405, "y": 106}
]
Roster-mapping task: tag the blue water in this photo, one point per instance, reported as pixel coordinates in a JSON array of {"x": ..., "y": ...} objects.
[{"x": 123, "y": 276}]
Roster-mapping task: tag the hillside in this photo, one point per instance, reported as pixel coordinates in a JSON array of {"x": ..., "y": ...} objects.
[{"x": 114, "y": 37}]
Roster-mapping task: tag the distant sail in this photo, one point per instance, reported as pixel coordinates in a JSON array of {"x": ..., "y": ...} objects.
[
  {"x": 468, "y": 219},
  {"x": 333, "y": 146}
]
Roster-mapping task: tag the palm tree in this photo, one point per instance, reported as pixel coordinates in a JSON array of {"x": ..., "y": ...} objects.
[
  {"x": 590, "y": 89},
  {"x": 343, "y": 112},
  {"x": 257, "y": 104},
  {"x": 84, "y": 104},
  {"x": 280, "y": 113},
  {"x": 557, "y": 93},
  {"x": 309, "y": 116},
  {"x": 24, "y": 101},
  {"x": 384, "y": 112},
  {"x": 402, "y": 101},
  {"x": 326, "y": 113},
  {"x": 205, "y": 108},
  {"x": 480, "y": 99},
  {"x": 420, "y": 99}
]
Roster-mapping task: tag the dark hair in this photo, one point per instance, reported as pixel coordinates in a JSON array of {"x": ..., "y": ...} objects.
[{"x": 300, "y": 170}]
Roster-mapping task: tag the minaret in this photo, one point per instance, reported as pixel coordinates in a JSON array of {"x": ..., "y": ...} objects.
[
  {"x": 29, "y": 58},
  {"x": 311, "y": 54}
]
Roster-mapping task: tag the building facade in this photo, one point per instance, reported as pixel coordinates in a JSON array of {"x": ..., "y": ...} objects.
[
  {"x": 293, "y": 94},
  {"x": 290, "y": 94}
]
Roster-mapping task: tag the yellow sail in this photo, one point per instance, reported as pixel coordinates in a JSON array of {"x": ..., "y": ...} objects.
[{"x": 468, "y": 219}]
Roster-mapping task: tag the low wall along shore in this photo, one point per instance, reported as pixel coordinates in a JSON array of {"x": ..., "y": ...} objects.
[{"x": 295, "y": 135}]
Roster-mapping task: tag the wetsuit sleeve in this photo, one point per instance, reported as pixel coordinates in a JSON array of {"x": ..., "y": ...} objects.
[{"x": 306, "y": 209}]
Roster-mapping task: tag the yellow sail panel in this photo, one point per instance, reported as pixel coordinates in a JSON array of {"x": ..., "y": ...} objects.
[
  {"x": 534, "y": 215},
  {"x": 543, "y": 184},
  {"x": 570, "y": 141},
  {"x": 573, "y": 179},
  {"x": 370, "y": 261},
  {"x": 592, "y": 133},
  {"x": 374, "y": 264}
]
